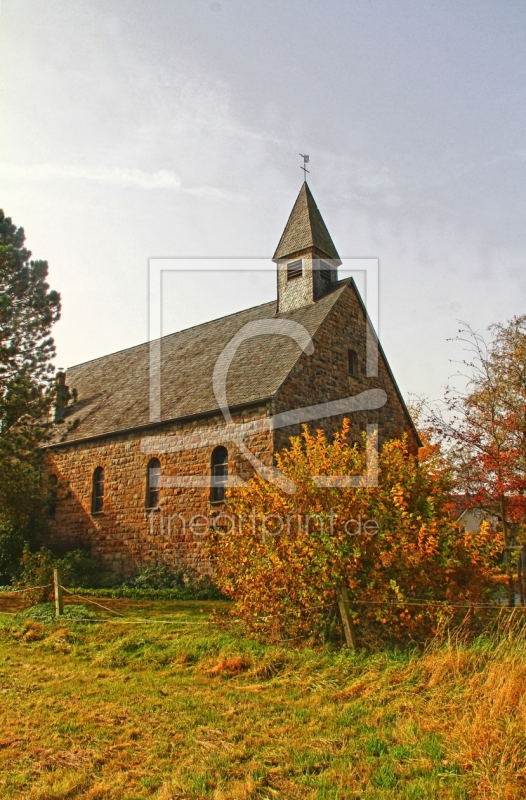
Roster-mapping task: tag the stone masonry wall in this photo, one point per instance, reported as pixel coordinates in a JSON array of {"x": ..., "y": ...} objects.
[
  {"x": 309, "y": 287},
  {"x": 126, "y": 534},
  {"x": 324, "y": 376},
  {"x": 298, "y": 291}
]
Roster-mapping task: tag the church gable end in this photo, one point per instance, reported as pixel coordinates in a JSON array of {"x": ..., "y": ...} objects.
[{"x": 336, "y": 370}]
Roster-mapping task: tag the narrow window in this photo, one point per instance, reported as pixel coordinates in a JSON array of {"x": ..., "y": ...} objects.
[
  {"x": 294, "y": 270},
  {"x": 97, "y": 498},
  {"x": 219, "y": 474},
  {"x": 353, "y": 363},
  {"x": 325, "y": 272},
  {"x": 153, "y": 488},
  {"x": 52, "y": 503}
]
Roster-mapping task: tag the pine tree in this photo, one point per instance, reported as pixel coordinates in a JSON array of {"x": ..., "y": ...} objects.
[{"x": 28, "y": 309}]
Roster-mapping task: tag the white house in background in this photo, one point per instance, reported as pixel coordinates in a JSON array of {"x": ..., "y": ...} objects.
[{"x": 471, "y": 518}]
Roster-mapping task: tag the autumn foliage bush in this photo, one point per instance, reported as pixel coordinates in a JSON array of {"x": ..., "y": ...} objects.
[{"x": 282, "y": 556}]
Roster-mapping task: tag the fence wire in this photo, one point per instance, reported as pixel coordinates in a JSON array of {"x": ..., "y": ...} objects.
[{"x": 124, "y": 620}]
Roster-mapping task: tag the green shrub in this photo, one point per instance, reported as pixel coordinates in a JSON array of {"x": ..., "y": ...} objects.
[
  {"x": 12, "y": 540},
  {"x": 82, "y": 568},
  {"x": 206, "y": 591},
  {"x": 157, "y": 575},
  {"x": 37, "y": 571},
  {"x": 79, "y": 568}
]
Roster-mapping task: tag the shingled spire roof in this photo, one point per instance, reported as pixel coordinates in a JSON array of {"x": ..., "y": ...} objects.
[{"x": 305, "y": 229}]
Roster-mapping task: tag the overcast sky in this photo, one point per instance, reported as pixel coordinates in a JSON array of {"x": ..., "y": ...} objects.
[{"x": 167, "y": 128}]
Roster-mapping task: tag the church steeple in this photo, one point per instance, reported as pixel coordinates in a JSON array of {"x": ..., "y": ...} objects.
[
  {"x": 305, "y": 229},
  {"x": 306, "y": 256}
]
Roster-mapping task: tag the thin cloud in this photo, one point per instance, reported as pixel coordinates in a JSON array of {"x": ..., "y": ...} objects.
[{"x": 115, "y": 176}]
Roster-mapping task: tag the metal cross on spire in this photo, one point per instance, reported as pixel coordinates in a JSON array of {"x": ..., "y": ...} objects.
[{"x": 306, "y": 160}]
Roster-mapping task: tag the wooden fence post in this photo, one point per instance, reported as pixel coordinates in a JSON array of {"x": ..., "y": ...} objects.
[
  {"x": 347, "y": 620},
  {"x": 59, "y": 604}
]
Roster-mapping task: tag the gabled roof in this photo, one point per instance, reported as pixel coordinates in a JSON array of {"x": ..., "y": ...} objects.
[
  {"x": 305, "y": 229},
  {"x": 113, "y": 391}
]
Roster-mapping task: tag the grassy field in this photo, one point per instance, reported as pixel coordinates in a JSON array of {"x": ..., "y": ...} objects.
[{"x": 195, "y": 709}]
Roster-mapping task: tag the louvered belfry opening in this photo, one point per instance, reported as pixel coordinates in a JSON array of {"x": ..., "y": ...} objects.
[
  {"x": 325, "y": 272},
  {"x": 306, "y": 257},
  {"x": 294, "y": 269}
]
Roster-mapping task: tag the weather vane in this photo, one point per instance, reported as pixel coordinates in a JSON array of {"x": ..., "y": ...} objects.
[{"x": 306, "y": 160}]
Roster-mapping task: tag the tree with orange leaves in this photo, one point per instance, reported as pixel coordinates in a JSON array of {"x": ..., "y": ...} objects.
[{"x": 394, "y": 547}]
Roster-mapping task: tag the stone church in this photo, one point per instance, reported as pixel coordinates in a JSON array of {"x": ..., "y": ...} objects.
[{"x": 232, "y": 392}]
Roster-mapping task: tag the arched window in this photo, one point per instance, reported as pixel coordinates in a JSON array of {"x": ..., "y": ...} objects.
[
  {"x": 97, "y": 497},
  {"x": 153, "y": 483},
  {"x": 52, "y": 503},
  {"x": 353, "y": 363},
  {"x": 219, "y": 474}
]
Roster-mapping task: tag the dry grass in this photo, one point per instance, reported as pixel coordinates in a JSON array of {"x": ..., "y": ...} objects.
[
  {"x": 197, "y": 710},
  {"x": 478, "y": 702}
]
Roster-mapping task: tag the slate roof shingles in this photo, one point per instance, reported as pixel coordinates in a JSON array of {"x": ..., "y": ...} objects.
[
  {"x": 305, "y": 229},
  {"x": 113, "y": 391}
]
